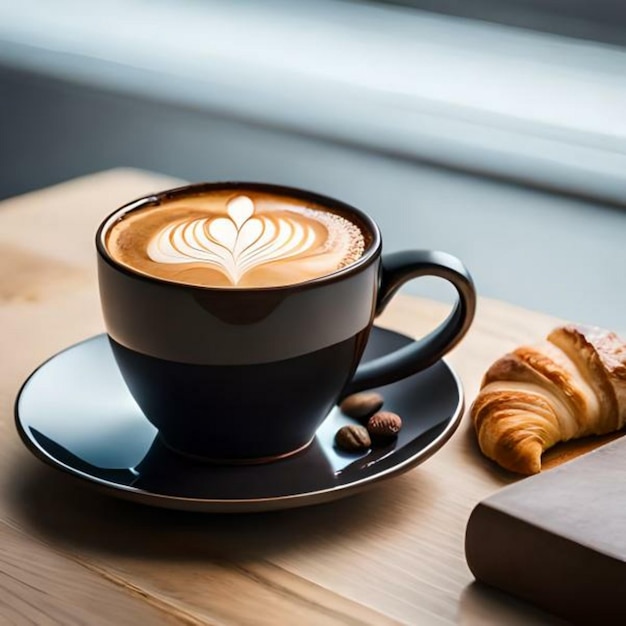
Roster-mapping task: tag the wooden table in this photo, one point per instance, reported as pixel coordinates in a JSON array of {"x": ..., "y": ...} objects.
[{"x": 69, "y": 555}]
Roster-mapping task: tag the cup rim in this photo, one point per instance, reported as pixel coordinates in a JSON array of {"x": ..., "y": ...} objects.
[{"x": 369, "y": 256}]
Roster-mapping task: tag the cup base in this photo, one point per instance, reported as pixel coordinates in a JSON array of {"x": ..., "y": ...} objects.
[
  {"x": 211, "y": 460},
  {"x": 250, "y": 413}
]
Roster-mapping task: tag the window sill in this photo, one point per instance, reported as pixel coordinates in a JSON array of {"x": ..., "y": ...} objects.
[{"x": 526, "y": 106}]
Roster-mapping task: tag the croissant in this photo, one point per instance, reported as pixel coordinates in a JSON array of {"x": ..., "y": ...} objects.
[{"x": 569, "y": 386}]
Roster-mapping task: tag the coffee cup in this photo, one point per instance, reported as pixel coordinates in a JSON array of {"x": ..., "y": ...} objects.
[{"x": 238, "y": 313}]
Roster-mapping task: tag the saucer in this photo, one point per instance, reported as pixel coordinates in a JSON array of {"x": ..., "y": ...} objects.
[{"x": 75, "y": 414}]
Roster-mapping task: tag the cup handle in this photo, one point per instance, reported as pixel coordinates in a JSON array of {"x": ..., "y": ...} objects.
[{"x": 398, "y": 268}]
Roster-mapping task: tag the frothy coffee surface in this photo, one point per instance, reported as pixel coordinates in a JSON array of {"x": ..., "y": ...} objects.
[{"x": 235, "y": 239}]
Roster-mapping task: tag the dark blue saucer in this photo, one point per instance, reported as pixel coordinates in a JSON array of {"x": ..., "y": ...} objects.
[{"x": 75, "y": 414}]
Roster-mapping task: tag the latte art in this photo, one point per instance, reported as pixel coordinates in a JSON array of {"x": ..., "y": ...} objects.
[
  {"x": 235, "y": 244},
  {"x": 239, "y": 240}
]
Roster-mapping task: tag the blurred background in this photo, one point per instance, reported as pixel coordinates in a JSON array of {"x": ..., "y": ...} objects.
[{"x": 493, "y": 130}]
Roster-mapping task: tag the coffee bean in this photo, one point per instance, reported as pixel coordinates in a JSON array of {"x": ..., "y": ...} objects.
[
  {"x": 353, "y": 438},
  {"x": 384, "y": 424},
  {"x": 361, "y": 405}
]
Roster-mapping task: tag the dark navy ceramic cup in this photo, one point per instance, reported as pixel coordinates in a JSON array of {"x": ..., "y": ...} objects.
[{"x": 248, "y": 375}]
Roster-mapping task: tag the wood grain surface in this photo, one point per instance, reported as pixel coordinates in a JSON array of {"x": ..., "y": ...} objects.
[{"x": 69, "y": 555}]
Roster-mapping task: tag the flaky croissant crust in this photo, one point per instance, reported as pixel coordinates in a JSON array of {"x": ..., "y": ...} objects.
[{"x": 571, "y": 385}]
